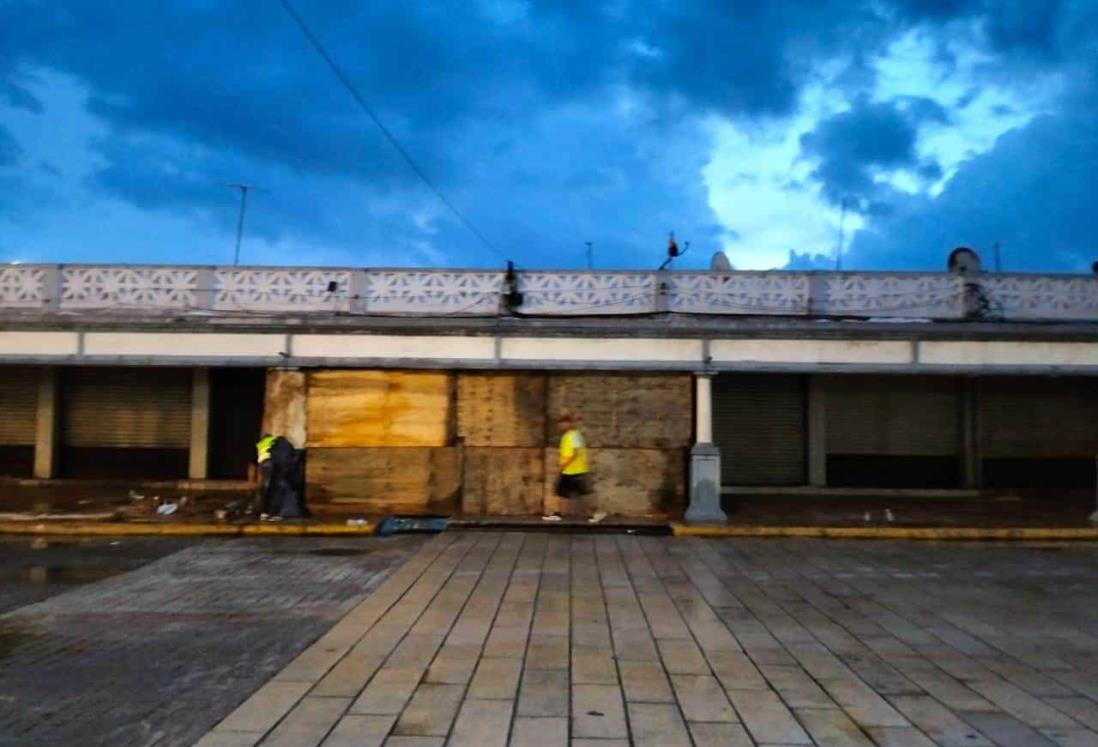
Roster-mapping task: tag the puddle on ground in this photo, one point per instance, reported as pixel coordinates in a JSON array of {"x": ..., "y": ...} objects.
[{"x": 56, "y": 574}]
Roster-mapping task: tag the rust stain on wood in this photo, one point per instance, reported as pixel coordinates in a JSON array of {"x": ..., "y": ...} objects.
[
  {"x": 383, "y": 479},
  {"x": 503, "y": 481},
  {"x": 648, "y": 411},
  {"x": 501, "y": 409}
]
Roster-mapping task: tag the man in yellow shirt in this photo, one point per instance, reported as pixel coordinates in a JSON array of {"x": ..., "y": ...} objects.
[{"x": 572, "y": 483}]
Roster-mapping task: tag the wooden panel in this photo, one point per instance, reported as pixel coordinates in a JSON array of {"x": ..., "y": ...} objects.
[
  {"x": 403, "y": 479},
  {"x": 653, "y": 411},
  {"x": 379, "y": 408},
  {"x": 126, "y": 408},
  {"x": 284, "y": 405},
  {"x": 503, "y": 481},
  {"x": 501, "y": 409},
  {"x": 19, "y": 405},
  {"x": 631, "y": 482}
]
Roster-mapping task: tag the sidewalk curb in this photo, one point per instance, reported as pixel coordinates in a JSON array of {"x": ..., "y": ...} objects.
[
  {"x": 120, "y": 529},
  {"x": 906, "y": 533}
]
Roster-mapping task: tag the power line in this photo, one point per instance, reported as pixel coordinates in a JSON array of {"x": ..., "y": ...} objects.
[{"x": 361, "y": 101}]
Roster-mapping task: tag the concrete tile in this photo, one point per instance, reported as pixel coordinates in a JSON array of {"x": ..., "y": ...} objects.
[
  {"x": 681, "y": 656},
  {"x": 349, "y": 676},
  {"x": 496, "y": 679},
  {"x": 598, "y": 712},
  {"x": 507, "y": 642},
  {"x": 453, "y": 665},
  {"x": 702, "y": 698},
  {"x": 862, "y": 703},
  {"x": 387, "y": 692},
  {"x": 1006, "y": 731},
  {"x": 767, "y": 718},
  {"x": 593, "y": 667},
  {"x": 938, "y": 722},
  {"x": 482, "y": 723},
  {"x": 308, "y": 723},
  {"x": 899, "y": 736},
  {"x": 229, "y": 739},
  {"x": 600, "y": 743},
  {"x": 645, "y": 682},
  {"x": 1022, "y": 705},
  {"x": 547, "y": 652},
  {"x": 657, "y": 725},
  {"x": 634, "y": 644},
  {"x": 719, "y": 735},
  {"x": 265, "y": 708},
  {"x": 735, "y": 671},
  {"x": 1072, "y": 737},
  {"x": 544, "y": 692},
  {"x": 360, "y": 731},
  {"x": 1083, "y": 710},
  {"x": 539, "y": 732},
  {"x": 431, "y": 710},
  {"x": 796, "y": 688},
  {"x": 829, "y": 727},
  {"x": 397, "y": 741}
]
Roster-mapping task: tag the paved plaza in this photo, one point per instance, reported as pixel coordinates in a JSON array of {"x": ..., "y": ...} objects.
[{"x": 488, "y": 639}]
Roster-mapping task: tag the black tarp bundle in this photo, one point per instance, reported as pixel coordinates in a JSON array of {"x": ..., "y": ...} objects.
[{"x": 286, "y": 491}]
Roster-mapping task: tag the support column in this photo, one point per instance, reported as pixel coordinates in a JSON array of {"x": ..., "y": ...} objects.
[
  {"x": 817, "y": 433},
  {"x": 47, "y": 438},
  {"x": 284, "y": 411},
  {"x": 200, "y": 425},
  {"x": 705, "y": 458}
]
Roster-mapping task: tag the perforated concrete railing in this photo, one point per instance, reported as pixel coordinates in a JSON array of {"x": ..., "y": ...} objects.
[{"x": 310, "y": 290}]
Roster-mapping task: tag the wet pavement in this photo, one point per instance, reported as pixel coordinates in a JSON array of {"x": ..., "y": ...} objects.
[
  {"x": 152, "y": 641},
  {"x": 494, "y": 639}
]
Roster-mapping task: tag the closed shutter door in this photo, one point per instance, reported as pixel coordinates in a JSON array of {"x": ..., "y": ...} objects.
[
  {"x": 759, "y": 426},
  {"x": 1038, "y": 432},
  {"x": 899, "y": 431},
  {"x": 18, "y": 406},
  {"x": 127, "y": 408}
]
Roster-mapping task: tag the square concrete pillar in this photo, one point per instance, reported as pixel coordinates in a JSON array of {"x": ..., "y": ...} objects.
[
  {"x": 705, "y": 459},
  {"x": 47, "y": 439},
  {"x": 198, "y": 463}
]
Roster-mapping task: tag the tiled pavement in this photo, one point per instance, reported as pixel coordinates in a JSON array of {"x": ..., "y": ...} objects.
[{"x": 525, "y": 639}]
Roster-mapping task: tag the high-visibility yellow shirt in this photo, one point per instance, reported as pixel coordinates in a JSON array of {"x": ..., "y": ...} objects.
[
  {"x": 263, "y": 449},
  {"x": 573, "y": 445}
]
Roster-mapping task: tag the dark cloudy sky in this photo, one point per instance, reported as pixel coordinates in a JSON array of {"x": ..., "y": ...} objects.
[{"x": 743, "y": 125}]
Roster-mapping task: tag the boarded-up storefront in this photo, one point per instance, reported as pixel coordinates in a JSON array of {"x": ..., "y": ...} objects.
[
  {"x": 125, "y": 422},
  {"x": 759, "y": 426},
  {"x": 19, "y": 398},
  {"x": 1038, "y": 432},
  {"x": 892, "y": 431},
  {"x": 485, "y": 443},
  {"x": 382, "y": 440}
]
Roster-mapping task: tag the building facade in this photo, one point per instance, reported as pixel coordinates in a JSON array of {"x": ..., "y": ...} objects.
[{"x": 437, "y": 391}]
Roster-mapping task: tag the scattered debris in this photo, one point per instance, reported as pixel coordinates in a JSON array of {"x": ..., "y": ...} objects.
[
  {"x": 867, "y": 518},
  {"x": 166, "y": 509},
  {"x": 889, "y": 515},
  {"x": 135, "y": 496},
  {"x": 357, "y": 522}
]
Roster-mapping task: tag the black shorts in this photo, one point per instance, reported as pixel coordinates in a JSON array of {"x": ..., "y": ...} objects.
[{"x": 572, "y": 486}]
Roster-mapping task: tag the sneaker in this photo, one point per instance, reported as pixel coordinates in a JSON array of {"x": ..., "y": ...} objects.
[
  {"x": 551, "y": 517},
  {"x": 597, "y": 517}
]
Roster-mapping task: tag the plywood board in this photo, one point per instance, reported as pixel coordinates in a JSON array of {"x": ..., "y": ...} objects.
[
  {"x": 379, "y": 408},
  {"x": 501, "y": 409},
  {"x": 630, "y": 482},
  {"x": 408, "y": 479},
  {"x": 284, "y": 405},
  {"x": 503, "y": 481},
  {"x": 651, "y": 411}
]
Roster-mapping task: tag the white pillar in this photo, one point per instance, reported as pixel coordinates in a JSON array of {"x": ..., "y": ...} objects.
[
  {"x": 48, "y": 421},
  {"x": 705, "y": 458},
  {"x": 200, "y": 425},
  {"x": 703, "y": 409}
]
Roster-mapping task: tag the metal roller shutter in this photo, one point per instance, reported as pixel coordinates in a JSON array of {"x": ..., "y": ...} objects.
[
  {"x": 18, "y": 406},
  {"x": 1038, "y": 432},
  {"x": 759, "y": 425},
  {"x": 127, "y": 408},
  {"x": 901, "y": 416}
]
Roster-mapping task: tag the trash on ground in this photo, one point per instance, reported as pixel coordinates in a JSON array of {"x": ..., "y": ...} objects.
[{"x": 167, "y": 509}]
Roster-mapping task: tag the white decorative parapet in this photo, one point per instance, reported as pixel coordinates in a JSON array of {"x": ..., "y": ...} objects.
[
  {"x": 587, "y": 293},
  {"x": 288, "y": 289},
  {"x": 769, "y": 293},
  {"x": 873, "y": 294},
  {"x": 1040, "y": 297},
  {"x": 124, "y": 288},
  {"x": 22, "y": 287},
  {"x": 151, "y": 289},
  {"x": 437, "y": 292}
]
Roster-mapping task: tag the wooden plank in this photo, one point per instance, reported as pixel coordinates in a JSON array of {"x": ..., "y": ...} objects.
[
  {"x": 650, "y": 411},
  {"x": 631, "y": 482},
  {"x": 501, "y": 409},
  {"x": 284, "y": 405},
  {"x": 404, "y": 479},
  {"x": 503, "y": 481},
  {"x": 379, "y": 408}
]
